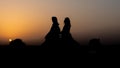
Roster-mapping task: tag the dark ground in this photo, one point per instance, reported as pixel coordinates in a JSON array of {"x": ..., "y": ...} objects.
[{"x": 110, "y": 50}]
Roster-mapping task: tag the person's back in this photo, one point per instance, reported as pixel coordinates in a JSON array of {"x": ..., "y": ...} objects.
[
  {"x": 67, "y": 38},
  {"x": 52, "y": 38}
]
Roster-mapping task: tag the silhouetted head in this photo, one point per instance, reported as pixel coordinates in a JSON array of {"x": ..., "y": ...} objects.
[
  {"x": 67, "y": 21},
  {"x": 55, "y": 21},
  {"x": 17, "y": 43}
]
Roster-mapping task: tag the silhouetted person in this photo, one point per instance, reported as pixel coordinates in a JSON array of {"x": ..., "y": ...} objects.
[
  {"x": 54, "y": 32},
  {"x": 57, "y": 39},
  {"x": 17, "y": 43},
  {"x": 67, "y": 38},
  {"x": 52, "y": 38}
]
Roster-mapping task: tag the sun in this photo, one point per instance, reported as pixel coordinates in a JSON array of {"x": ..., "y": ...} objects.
[{"x": 10, "y": 40}]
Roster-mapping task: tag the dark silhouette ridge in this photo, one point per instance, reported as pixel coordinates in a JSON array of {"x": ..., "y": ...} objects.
[
  {"x": 17, "y": 43},
  {"x": 57, "y": 39}
]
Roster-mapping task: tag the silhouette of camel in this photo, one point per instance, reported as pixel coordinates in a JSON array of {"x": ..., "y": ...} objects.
[
  {"x": 57, "y": 39},
  {"x": 17, "y": 43}
]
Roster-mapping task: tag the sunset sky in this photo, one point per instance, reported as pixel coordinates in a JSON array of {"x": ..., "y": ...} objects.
[{"x": 30, "y": 20}]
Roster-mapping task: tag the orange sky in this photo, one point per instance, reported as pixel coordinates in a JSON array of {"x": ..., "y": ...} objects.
[{"x": 30, "y": 20}]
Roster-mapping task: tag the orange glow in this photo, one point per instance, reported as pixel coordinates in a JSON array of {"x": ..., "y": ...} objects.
[
  {"x": 11, "y": 23},
  {"x": 19, "y": 23}
]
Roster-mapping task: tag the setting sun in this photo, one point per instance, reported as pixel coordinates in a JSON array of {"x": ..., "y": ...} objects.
[{"x": 10, "y": 40}]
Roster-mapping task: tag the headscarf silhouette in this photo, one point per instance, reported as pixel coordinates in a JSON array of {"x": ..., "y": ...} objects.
[
  {"x": 54, "y": 31},
  {"x": 67, "y": 38},
  {"x": 52, "y": 38},
  {"x": 66, "y": 29}
]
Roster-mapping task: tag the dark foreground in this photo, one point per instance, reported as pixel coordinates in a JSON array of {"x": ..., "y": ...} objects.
[{"x": 111, "y": 50}]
